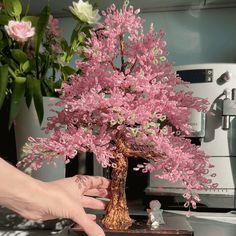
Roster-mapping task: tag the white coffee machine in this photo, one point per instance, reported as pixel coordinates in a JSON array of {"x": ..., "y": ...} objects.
[{"x": 214, "y": 131}]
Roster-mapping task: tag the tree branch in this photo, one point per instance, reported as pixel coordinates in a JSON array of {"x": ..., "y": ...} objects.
[
  {"x": 131, "y": 152},
  {"x": 113, "y": 66},
  {"x": 122, "y": 47},
  {"x": 131, "y": 68}
]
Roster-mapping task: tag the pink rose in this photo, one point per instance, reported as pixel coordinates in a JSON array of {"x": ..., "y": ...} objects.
[{"x": 20, "y": 31}]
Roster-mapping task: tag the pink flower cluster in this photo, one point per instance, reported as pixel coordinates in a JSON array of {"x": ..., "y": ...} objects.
[
  {"x": 53, "y": 36},
  {"x": 128, "y": 86},
  {"x": 20, "y": 31},
  {"x": 53, "y": 26}
]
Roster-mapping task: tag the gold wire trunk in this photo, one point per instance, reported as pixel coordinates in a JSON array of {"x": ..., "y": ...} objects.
[{"x": 117, "y": 214}]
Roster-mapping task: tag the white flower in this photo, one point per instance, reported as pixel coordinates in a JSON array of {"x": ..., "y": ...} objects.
[{"x": 84, "y": 11}]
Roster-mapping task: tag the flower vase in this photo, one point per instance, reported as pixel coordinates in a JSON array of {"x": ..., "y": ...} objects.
[{"x": 27, "y": 125}]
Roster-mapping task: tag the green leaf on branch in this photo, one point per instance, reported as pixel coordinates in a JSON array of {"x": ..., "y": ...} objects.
[
  {"x": 67, "y": 70},
  {"x": 19, "y": 55},
  {"x": 4, "y": 19},
  {"x": 16, "y": 98},
  {"x": 3, "y": 44},
  {"x": 3, "y": 83},
  {"x": 74, "y": 37},
  {"x": 38, "y": 100},
  {"x": 13, "y": 7},
  {"x": 26, "y": 66},
  {"x": 11, "y": 63},
  {"x": 32, "y": 19},
  {"x": 64, "y": 45},
  {"x": 47, "y": 88},
  {"x": 40, "y": 30},
  {"x": 29, "y": 90},
  {"x": 57, "y": 84}
]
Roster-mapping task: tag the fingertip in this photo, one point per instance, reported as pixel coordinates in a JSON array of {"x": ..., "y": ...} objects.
[
  {"x": 105, "y": 182},
  {"x": 93, "y": 203},
  {"x": 90, "y": 227},
  {"x": 104, "y": 193},
  {"x": 93, "y": 229}
]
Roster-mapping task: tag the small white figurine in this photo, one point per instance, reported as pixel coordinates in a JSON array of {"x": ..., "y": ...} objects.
[{"x": 155, "y": 217}]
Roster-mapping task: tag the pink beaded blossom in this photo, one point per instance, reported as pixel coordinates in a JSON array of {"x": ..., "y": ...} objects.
[{"x": 128, "y": 86}]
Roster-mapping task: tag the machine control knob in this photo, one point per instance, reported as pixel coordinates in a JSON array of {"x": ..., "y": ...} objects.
[{"x": 226, "y": 76}]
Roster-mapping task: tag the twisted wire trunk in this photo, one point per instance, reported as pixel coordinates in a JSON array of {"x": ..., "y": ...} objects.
[{"x": 117, "y": 214}]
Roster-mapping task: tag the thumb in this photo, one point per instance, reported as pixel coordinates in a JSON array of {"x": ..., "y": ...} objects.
[{"x": 89, "y": 226}]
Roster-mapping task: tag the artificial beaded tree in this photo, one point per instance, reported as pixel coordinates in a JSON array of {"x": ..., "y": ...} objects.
[{"x": 125, "y": 105}]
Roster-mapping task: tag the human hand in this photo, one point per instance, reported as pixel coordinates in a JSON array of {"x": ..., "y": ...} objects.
[
  {"x": 80, "y": 190},
  {"x": 66, "y": 198}
]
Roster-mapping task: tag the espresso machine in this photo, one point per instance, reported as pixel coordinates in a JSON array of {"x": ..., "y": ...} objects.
[{"x": 214, "y": 131}]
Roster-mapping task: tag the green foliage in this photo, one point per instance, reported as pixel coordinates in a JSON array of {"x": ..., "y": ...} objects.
[
  {"x": 12, "y": 7},
  {"x": 40, "y": 30},
  {"x": 32, "y": 19},
  {"x": 29, "y": 90},
  {"x": 4, "y": 19},
  {"x": 37, "y": 67},
  {"x": 38, "y": 99},
  {"x": 19, "y": 55},
  {"x": 3, "y": 83},
  {"x": 16, "y": 98}
]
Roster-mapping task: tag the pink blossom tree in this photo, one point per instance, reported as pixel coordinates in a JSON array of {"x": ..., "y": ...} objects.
[{"x": 124, "y": 105}]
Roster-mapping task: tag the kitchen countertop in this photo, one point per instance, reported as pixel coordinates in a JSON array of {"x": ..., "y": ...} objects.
[{"x": 203, "y": 224}]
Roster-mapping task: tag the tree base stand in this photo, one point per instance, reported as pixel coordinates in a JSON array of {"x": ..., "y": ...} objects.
[{"x": 174, "y": 225}]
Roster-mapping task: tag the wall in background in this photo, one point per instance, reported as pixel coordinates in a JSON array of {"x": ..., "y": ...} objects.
[
  {"x": 198, "y": 36},
  {"x": 194, "y": 36}
]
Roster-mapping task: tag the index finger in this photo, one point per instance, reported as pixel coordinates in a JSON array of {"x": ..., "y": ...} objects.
[{"x": 89, "y": 226}]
